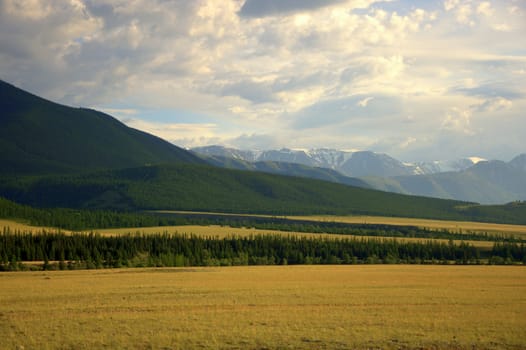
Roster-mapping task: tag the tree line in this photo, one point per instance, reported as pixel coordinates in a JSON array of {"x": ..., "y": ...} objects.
[
  {"x": 85, "y": 251},
  {"x": 82, "y": 220}
]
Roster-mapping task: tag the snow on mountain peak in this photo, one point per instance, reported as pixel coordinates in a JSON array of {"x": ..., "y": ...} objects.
[
  {"x": 348, "y": 162},
  {"x": 475, "y": 160}
]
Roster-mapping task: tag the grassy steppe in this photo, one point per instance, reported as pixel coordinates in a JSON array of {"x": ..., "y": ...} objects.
[{"x": 301, "y": 307}]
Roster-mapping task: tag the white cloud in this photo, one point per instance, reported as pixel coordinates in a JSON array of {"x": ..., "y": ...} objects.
[
  {"x": 458, "y": 120},
  {"x": 495, "y": 104},
  {"x": 408, "y": 142},
  {"x": 364, "y": 102},
  {"x": 450, "y": 4},
  {"x": 31, "y": 9},
  {"x": 463, "y": 14},
  {"x": 485, "y": 9},
  {"x": 191, "y": 135}
]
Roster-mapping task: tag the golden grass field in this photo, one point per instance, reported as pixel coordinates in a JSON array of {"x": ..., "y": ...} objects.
[
  {"x": 454, "y": 226},
  {"x": 226, "y": 231},
  {"x": 216, "y": 231},
  {"x": 278, "y": 307},
  {"x": 18, "y": 226}
]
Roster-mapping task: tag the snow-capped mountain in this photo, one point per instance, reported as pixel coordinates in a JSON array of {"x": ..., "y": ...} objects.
[
  {"x": 349, "y": 163},
  {"x": 446, "y": 165},
  {"x": 470, "y": 179}
]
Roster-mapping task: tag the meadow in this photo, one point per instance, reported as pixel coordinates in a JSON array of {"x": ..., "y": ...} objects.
[{"x": 266, "y": 307}]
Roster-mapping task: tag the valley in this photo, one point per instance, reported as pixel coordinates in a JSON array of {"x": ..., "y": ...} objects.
[
  {"x": 127, "y": 241},
  {"x": 262, "y": 175}
]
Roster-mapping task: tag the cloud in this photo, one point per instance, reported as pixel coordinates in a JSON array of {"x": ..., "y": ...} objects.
[
  {"x": 249, "y": 90},
  {"x": 490, "y": 90},
  {"x": 364, "y": 102},
  {"x": 347, "y": 113},
  {"x": 458, "y": 120},
  {"x": 485, "y": 9},
  {"x": 258, "y": 8},
  {"x": 183, "y": 134},
  {"x": 494, "y": 105},
  {"x": 290, "y": 73},
  {"x": 255, "y": 142}
]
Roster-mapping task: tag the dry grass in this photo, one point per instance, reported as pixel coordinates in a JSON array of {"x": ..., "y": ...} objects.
[
  {"x": 454, "y": 226},
  {"x": 217, "y": 231},
  {"x": 297, "y": 307},
  {"x": 22, "y": 227},
  {"x": 226, "y": 231}
]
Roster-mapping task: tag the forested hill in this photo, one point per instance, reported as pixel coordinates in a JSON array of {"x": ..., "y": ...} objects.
[
  {"x": 206, "y": 188},
  {"x": 38, "y": 136}
]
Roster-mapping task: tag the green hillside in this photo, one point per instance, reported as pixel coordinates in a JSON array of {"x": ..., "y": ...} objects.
[
  {"x": 38, "y": 136},
  {"x": 207, "y": 188}
]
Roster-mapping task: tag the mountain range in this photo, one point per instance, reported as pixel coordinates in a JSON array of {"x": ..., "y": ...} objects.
[
  {"x": 469, "y": 179},
  {"x": 58, "y": 156},
  {"x": 348, "y": 163}
]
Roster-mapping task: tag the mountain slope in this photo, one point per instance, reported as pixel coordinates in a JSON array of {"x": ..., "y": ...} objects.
[
  {"x": 206, "y": 188},
  {"x": 351, "y": 164},
  {"x": 287, "y": 169},
  {"x": 487, "y": 182},
  {"x": 348, "y": 163},
  {"x": 470, "y": 179},
  {"x": 38, "y": 136}
]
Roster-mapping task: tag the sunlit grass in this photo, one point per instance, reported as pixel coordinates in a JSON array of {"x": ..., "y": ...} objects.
[
  {"x": 24, "y": 227},
  {"x": 218, "y": 231},
  {"x": 226, "y": 231},
  {"x": 453, "y": 226},
  {"x": 300, "y": 307}
]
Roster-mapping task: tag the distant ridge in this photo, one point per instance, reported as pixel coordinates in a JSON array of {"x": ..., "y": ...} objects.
[
  {"x": 348, "y": 163},
  {"x": 470, "y": 179},
  {"x": 38, "y": 136},
  {"x": 288, "y": 169},
  {"x": 487, "y": 182}
]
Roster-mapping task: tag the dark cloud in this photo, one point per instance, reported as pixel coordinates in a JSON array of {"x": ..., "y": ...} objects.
[
  {"x": 251, "y": 91},
  {"x": 490, "y": 90},
  {"x": 100, "y": 10},
  {"x": 263, "y": 8}
]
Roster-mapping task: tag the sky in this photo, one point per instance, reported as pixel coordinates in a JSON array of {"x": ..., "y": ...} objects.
[{"x": 418, "y": 80}]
